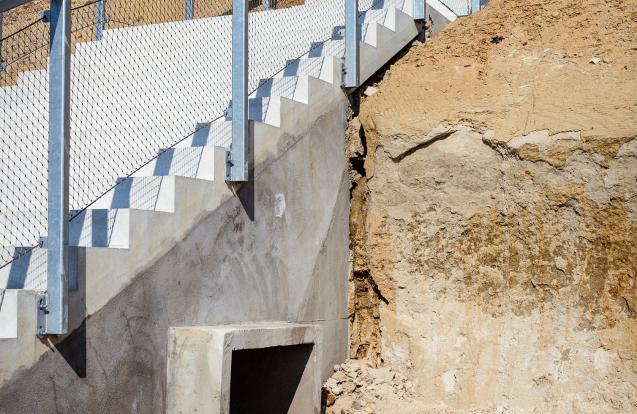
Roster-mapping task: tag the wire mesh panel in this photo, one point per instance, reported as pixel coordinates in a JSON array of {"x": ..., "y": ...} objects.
[
  {"x": 24, "y": 135},
  {"x": 153, "y": 80},
  {"x": 282, "y": 31},
  {"x": 146, "y": 75},
  {"x": 458, "y": 7}
]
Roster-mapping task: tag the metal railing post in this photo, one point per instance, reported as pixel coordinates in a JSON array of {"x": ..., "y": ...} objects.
[
  {"x": 56, "y": 306},
  {"x": 238, "y": 157},
  {"x": 420, "y": 10},
  {"x": 100, "y": 19},
  {"x": 475, "y": 6},
  {"x": 1, "y": 61},
  {"x": 352, "y": 37},
  {"x": 190, "y": 9}
]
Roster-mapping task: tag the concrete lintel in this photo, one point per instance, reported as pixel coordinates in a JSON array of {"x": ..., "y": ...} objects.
[{"x": 200, "y": 363}]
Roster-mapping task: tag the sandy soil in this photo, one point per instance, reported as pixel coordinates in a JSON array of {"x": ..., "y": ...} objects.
[
  {"x": 494, "y": 217},
  {"x": 519, "y": 66}
]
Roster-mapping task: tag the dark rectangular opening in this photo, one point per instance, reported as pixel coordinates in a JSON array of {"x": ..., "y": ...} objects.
[{"x": 265, "y": 380}]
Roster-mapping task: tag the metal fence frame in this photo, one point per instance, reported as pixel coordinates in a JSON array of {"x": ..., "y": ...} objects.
[
  {"x": 1, "y": 62},
  {"x": 475, "y": 6},
  {"x": 53, "y": 309}
]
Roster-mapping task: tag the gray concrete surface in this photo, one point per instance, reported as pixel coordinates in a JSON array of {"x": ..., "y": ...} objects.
[
  {"x": 269, "y": 367},
  {"x": 249, "y": 260},
  {"x": 275, "y": 250}
]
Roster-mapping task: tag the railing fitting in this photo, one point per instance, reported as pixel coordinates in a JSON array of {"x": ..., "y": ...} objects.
[
  {"x": 237, "y": 165},
  {"x": 352, "y": 48},
  {"x": 56, "y": 302}
]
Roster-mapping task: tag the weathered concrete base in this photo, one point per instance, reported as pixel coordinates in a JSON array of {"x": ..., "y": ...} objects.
[{"x": 200, "y": 366}]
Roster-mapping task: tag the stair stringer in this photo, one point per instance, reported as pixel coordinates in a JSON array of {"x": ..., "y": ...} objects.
[{"x": 384, "y": 42}]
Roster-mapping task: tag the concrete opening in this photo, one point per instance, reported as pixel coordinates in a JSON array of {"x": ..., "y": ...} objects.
[{"x": 268, "y": 379}]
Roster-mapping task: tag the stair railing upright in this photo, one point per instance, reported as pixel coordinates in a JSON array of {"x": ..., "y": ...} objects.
[
  {"x": 237, "y": 157},
  {"x": 352, "y": 45},
  {"x": 100, "y": 19},
  {"x": 420, "y": 10},
  {"x": 1, "y": 18},
  {"x": 54, "y": 306},
  {"x": 53, "y": 309}
]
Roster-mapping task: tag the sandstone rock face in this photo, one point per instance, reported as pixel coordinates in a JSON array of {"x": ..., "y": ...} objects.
[
  {"x": 494, "y": 215},
  {"x": 509, "y": 282}
]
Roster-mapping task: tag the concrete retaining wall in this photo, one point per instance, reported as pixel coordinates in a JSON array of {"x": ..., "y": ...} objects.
[{"x": 276, "y": 251}]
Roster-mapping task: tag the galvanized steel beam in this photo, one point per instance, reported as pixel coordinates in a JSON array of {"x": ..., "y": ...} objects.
[
  {"x": 100, "y": 19},
  {"x": 56, "y": 306},
  {"x": 1, "y": 61},
  {"x": 475, "y": 6},
  {"x": 420, "y": 10},
  {"x": 352, "y": 47},
  {"x": 237, "y": 170},
  {"x": 190, "y": 9}
]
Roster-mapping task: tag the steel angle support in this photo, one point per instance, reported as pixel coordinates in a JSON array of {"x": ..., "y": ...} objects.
[
  {"x": 55, "y": 305},
  {"x": 475, "y": 6},
  {"x": 237, "y": 163},
  {"x": 1, "y": 61},
  {"x": 100, "y": 19},
  {"x": 190, "y": 9},
  {"x": 352, "y": 46},
  {"x": 420, "y": 10}
]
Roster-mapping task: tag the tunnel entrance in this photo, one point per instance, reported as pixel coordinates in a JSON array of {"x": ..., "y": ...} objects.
[{"x": 269, "y": 380}]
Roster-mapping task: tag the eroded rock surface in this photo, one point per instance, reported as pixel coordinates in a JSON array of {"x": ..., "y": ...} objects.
[{"x": 494, "y": 216}]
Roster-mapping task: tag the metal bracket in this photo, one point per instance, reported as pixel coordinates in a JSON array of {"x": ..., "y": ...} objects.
[
  {"x": 238, "y": 168},
  {"x": 42, "y": 310},
  {"x": 228, "y": 163}
]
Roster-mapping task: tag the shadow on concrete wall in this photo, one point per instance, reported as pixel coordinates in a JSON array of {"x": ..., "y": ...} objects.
[
  {"x": 265, "y": 380},
  {"x": 246, "y": 191},
  {"x": 73, "y": 347}
]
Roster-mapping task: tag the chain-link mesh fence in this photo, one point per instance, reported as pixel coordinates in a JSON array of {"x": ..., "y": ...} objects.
[
  {"x": 24, "y": 137},
  {"x": 150, "y": 82},
  {"x": 290, "y": 30},
  {"x": 458, "y": 7}
]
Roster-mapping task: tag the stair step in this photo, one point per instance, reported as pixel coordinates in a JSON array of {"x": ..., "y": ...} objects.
[
  {"x": 193, "y": 162},
  {"x": 148, "y": 119}
]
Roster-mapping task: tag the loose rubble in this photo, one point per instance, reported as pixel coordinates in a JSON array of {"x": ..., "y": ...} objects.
[{"x": 356, "y": 388}]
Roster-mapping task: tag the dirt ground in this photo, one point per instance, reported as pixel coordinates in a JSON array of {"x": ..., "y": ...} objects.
[
  {"x": 494, "y": 218},
  {"x": 26, "y": 35}
]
